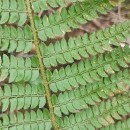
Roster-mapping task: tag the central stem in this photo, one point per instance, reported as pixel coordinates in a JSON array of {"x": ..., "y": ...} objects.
[{"x": 42, "y": 68}]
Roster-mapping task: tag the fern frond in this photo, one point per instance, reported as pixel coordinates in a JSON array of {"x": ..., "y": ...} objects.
[
  {"x": 18, "y": 96},
  {"x": 29, "y": 120},
  {"x": 60, "y": 22},
  {"x": 63, "y": 52},
  {"x": 15, "y": 40},
  {"x": 91, "y": 94},
  {"x": 39, "y": 5},
  {"x": 18, "y": 69},
  {"x": 90, "y": 70},
  {"x": 98, "y": 116},
  {"x": 121, "y": 125},
  {"x": 13, "y": 11},
  {"x": 82, "y": 83}
]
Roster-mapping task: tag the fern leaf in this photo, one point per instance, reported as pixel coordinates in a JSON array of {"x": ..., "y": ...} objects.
[
  {"x": 89, "y": 71},
  {"x": 59, "y": 23},
  {"x": 13, "y": 40},
  {"x": 16, "y": 97},
  {"x": 28, "y": 120},
  {"x": 91, "y": 94},
  {"x": 77, "y": 84},
  {"x": 98, "y": 116},
  {"x": 39, "y": 5},
  {"x": 13, "y": 11},
  {"x": 85, "y": 46},
  {"x": 17, "y": 69}
]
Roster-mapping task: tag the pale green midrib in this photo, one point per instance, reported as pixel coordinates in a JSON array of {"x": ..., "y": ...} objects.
[
  {"x": 16, "y": 11},
  {"x": 18, "y": 68},
  {"x": 101, "y": 114},
  {"x": 91, "y": 69},
  {"x": 21, "y": 96},
  {"x": 25, "y": 123},
  {"x": 16, "y": 39},
  {"x": 108, "y": 86},
  {"x": 42, "y": 68}
]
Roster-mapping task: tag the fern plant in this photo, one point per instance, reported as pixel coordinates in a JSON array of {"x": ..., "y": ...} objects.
[{"x": 78, "y": 83}]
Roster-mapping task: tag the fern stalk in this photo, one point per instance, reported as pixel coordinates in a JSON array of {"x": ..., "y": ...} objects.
[{"x": 42, "y": 68}]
